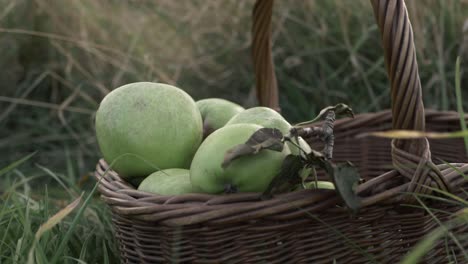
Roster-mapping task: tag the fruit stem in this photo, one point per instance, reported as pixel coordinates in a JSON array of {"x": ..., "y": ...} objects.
[{"x": 325, "y": 133}]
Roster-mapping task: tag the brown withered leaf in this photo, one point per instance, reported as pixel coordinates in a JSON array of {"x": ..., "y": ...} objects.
[
  {"x": 288, "y": 174},
  {"x": 345, "y": 177},
  {"x": 264, "y": 138}
]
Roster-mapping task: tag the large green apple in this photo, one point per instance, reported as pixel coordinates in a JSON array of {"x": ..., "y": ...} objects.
[
  {"x": 216, "y": 113},
  {"x": 144, "y": 127},
  {"x": 168, "y": 182},
  {"x": 269, "y": 118},
  {"x": 251, "y": 173}
]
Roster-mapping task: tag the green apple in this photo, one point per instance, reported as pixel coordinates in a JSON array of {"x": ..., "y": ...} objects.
[
  {"x": 216, "y": 113},
  {"x": 168, "y": 182},
  {"x": 251, "y": 173},
  {"x": 319, "y": 185},
  {"x": 262, "y": 116},
  {"x": 269, "y": 118},
  {"x": 143, "y": 127}
]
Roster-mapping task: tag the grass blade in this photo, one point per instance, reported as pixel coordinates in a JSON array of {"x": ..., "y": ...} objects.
[
  {"x": 424, "y": 246},
  {"x": 16, "y": 163},
  {"x": 427, "y": 242},
  {"x": 460, "y": 101},
  {"x": 59, "y": 181},
  {"x": 411, "y": 134},
  {"x": 57, "y": 218},
  {"x": 49, "y": 224},
  {"x": 77, "y": 260},
  {"x": 84, "y": 247},
  {"x": 106, "y": 256},
  {"x": 67, "y": 235}
]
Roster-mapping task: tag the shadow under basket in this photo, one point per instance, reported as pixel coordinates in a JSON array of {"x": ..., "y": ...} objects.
[{"x": 308, "y": 226}]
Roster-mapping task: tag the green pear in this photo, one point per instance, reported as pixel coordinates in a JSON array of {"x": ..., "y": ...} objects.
[
  {"x": 252, "y": 173},
  {"x": 143, "y": 127},
  {"x": 168, "y": 182},
  {"x": 216, "y": 113}
]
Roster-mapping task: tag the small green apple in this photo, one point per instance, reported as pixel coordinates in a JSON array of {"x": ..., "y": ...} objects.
[
  {"x": 251, "y": 173},
  {"x": 319, "y": 185},
  {"x": 216, "y": 113},
  {"x": 269, "y": 118},
  {"x": 144, "y": 126},
  {"x": 168, "y": 182}
]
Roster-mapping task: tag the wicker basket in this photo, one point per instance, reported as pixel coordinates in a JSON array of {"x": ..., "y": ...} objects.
[{"x": 313, "y": 226}]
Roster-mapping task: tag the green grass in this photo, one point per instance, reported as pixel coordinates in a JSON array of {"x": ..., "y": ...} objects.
[
  {"x": 36, "y": 228},
  {"x": 60, "y": 58},
  {"x": 60, "y": 61}
]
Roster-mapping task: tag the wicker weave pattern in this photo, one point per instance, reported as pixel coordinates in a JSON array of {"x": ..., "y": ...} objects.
[
  {"x": 381, "y": 234},
  {"x": 266, "y": 84},
  {"x": 412, "y": 158},
  {"x": 298, "y": 227}
]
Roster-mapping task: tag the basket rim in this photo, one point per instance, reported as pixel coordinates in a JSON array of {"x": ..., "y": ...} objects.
[
  {"x": 126, "y": 200},
  {"x": 191, "y": 209}
]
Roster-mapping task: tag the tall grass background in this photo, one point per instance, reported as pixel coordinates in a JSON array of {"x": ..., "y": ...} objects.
[{"x": 58, "y": 59}]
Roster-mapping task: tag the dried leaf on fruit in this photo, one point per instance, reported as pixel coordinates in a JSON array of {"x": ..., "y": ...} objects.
[{"x": 264, "y": 138}]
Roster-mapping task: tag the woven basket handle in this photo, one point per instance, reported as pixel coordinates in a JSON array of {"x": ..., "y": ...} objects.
[
  {"x": 265, "y": 82},
  {"x": 412, "y": 158}
]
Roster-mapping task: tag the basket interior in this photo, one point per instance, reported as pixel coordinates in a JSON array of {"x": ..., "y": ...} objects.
[{"x": 372, "y": 155}]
